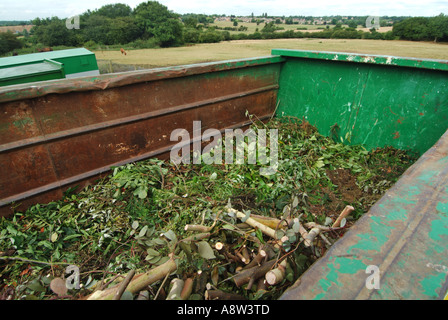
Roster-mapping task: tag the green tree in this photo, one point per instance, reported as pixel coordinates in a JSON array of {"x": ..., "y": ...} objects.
[
  {"x": 269, "y": 27},
  {"x": 9, "y": 42},
  {"x": 352, "y": 24},
  {"x": 191, "y": 22},
  {"x": 114, "y": 10},
  {"x": 416, "y": 29},
  {"x": 96, "y": 28},
  {"x": 157, "y": 21},
  {"x": 122, "y": 30},
  {"x": 53, "y": 32},
  {"x": 438, "y": 27}
]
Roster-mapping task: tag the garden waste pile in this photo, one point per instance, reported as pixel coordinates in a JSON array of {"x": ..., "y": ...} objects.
[{"x": 155, "y": 230}]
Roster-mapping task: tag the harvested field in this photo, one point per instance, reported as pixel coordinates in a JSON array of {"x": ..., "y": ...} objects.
[{"x": 150, "y": 58}]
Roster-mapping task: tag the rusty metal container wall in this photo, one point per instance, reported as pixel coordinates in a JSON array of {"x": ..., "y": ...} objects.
[{"x": 56, "y": 134}]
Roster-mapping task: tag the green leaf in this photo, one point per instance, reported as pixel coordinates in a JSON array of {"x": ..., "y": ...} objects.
[
  {"x": 72, "y": 236},
  {"x": 152, "y": 260},
  {"x": 54, "y": 237},
  {"x": 35, "y": 285},
  {"x": 152, "y": 252},
  {"x": 247, "y": 212},
  {"x": 142, "y": 232},
  {"x": 170, "y": 235},
  {"x": 141, "y": 192}
]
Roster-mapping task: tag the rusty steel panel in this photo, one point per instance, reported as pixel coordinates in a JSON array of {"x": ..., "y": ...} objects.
[{"x": 62, "y": 133}]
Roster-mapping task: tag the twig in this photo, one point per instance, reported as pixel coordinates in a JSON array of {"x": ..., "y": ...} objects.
[
  {"x": 275, "y": 110},
  {"x": 123, "y": 285},
  {"x": 34, "y": 261},
  {"x": 161, "y": 286}
]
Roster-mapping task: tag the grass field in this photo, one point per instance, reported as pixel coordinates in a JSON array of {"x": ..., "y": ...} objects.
[
  {"x": 149, "y": 58},
  {"x": 13, "y": 29},
  {"x": 252, "y": 27}
]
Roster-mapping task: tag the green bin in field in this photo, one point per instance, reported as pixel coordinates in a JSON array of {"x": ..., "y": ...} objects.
[{"x": 71, "y": 63}]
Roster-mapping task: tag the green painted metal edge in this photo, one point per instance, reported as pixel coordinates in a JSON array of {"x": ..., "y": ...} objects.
[
  {"x": 398, "y": 250},
  {"x": 432, "y": 64},
  {"x": 36, "y": 57}
]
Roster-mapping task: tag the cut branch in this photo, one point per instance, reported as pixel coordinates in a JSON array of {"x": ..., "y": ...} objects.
[
  {"x": 347, "y": 210},
  {"x": 176, "y": 288},
  {"x": 187, "y": 289},
  {"x": 276, "y": 275},
  {"x": 255, "y": 224},
  {"x": 139, "y": 282},
  {"x": 253, "y": 273}
]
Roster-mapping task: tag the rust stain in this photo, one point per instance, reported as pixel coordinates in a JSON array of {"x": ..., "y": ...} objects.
[
  {"x": 63, "y": 139},
  {"x": 396, "y": 135}
]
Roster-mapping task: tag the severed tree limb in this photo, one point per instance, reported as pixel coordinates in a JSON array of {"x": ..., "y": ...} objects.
[
  {"x": 253, "y": 273},
  {"x": 272, "y": 223},
  {"x": 308, "y": 240},
  {"x": 176, "y": 288},
  {"x": 276, "y": 275},
  {"x": 201, "y": 228},
  {"x": 138, "y": 282},
  {"x": 197, "y": 237},
  {"x": 254, "y": 223},
  {"x": 347, "y": 210},
  {"x": 187, "y": 289},
  {"x": 257, "y": 260}
]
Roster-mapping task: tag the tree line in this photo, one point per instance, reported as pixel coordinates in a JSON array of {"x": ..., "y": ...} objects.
[{"x": 151, "y": 25}]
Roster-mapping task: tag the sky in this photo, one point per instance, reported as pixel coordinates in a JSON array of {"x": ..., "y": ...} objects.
[{"x": 30, "y": 9}]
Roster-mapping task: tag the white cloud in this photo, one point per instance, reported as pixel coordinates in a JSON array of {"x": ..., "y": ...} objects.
[{"x": 29, "y": 9}]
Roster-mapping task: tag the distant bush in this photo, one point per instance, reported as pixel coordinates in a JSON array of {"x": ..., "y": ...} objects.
[
  {"x": 210, "y": 37},
  {"x": 9, "y": 42}
]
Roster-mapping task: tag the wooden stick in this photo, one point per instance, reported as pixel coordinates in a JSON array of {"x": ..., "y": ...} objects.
[
  {"x": 176, "y": 288},
  {"x": 255, "y": 272},
  {"x": 276, "y": 275},
  {"x": 197, "y": 227},
  {"x": 347, "y": 210},
  {"x": 254, "y": 223},
  {"x": 197, "y": 237},
  {"x": 311, "y": 236},
  {"x": 123, "y": 285},
  {"x": 272, "y": 223},
  {"x": 139, "y": 282},
  {"x": 188, "y": 288},
  {"x": 257, "y": 260}
]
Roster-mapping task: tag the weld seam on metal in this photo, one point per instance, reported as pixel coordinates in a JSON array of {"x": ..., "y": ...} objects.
[{"x": 108, "y": 81}]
